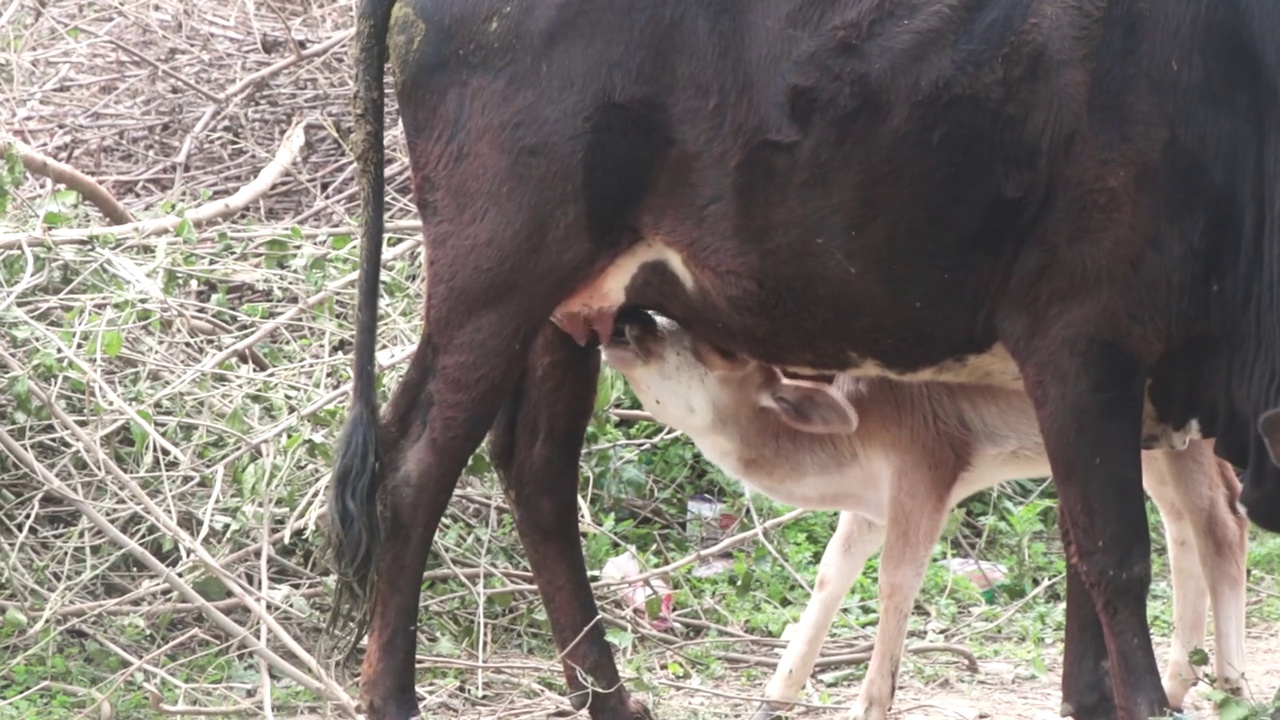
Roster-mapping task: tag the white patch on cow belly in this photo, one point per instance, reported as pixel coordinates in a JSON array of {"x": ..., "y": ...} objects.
[
  {"x": 609, "y": 288},
  {"x": 994, "y": 367}
]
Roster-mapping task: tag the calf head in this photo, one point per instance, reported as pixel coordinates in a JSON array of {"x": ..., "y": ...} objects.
[{"x": 695, "y": 387}]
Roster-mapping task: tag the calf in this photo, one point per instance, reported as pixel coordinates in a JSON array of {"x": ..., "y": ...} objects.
[{"x": 894, "y": 457}]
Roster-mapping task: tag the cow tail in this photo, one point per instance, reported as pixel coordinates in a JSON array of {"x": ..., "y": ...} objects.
[{"x": 353, "y": 528}]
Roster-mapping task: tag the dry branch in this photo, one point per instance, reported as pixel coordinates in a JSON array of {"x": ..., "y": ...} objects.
[
  {"x": 320, "y": 684},
  {"x": 19, "y": 454},
  {"x": 294, "y": 140},
  {"x": 40, "y": 164}
]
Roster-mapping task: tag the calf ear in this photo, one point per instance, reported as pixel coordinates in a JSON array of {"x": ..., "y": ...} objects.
[
  {"x": 811, "y": 407},
  {"x": 1269, "y": 426}
]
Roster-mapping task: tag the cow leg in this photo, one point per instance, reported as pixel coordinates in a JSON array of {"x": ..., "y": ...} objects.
[
  {"x": 1086, "y": 686},
  {"x": 1090, "y": 406},
  {"x": 436, "y": 418},
  {"x": 535, "y": 447},
  {"x": 915, "y": 521},
  {"x": 855, "y": 540}
]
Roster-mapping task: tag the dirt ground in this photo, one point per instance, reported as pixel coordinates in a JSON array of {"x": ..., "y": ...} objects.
[
  {"x": 1001, "y": 690},
  {"x": 1005, "y": 691}
]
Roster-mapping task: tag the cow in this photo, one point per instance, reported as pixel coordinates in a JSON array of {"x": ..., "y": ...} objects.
[
  {"x": 894, "y": 457},
  {"x": 1074, "y": 197}
]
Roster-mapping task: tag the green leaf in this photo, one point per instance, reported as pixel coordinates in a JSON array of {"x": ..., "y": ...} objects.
[
  {"x": 110, "y": 343},
  {"x": 1198, "y": 657},
  {"x": 744, "y": 584},
  {"x": 1038, "y": 666},
  {"x": 210, "y": 588},
  {"x": 185, "y": 230},
  {"x": 619, "y": 638},
  {"x": 1234, "y": 709},
  {"x": 295, "y": 231},
  {"x": 66, "y": 198},
  {"x": 54, "y": 219},
  {"x": 339, "y": 242},
  {"x": 236, "y": 421},
  {"x": 14, "y": 619}
]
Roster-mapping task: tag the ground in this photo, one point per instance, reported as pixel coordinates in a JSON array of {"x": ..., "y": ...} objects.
[{"x": 177, "y": 261}]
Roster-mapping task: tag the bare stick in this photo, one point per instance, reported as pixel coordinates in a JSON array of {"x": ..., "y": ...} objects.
[
  {"x": 227, "y": 624},
  {"x": 285, "y": 156},
  {"x": 323, "y": 686},
  {"x": 632, "y": 415},
  {"x": 857, "y": 658},
  {"x": 246, "y": 83},
  {"x": 43, "y": 165}
]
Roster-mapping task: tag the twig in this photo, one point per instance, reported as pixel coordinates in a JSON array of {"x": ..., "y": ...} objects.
[
  {"x": 1012, "y": 609},
  {"x": 285, "y": 156},
  {"x": 727, "y": 544},
  {"x": 158, "y": 705},
  {"x": 323, "y": 685},
  {"x": 40, "y": 164},
  {"x": 105, "y": 710},
  {"x": 18, "y": 453},
  {"x": 246, "y": 83},
  {"x": 856, "y": 658},
  {"x": 282, "y": 321},
  {"x": 632, "y": 415},
  {"x": 105, "y": 607}
]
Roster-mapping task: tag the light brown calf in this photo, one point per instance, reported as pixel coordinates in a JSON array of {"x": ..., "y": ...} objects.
[{"x": 894, "y": 457}]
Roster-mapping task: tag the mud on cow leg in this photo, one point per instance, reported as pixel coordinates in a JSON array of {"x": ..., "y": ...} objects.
[
  {"x": 1090, "y": 404},
  {"x": 1086, "y": 684},
  {"x": 535, "y": 446}
]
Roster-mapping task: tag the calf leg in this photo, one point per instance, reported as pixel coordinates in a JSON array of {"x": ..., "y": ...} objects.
[
  {"x": 1190, "y": 594},
  {"x": 856, "y": 538},
  {"x": 1222, "y": 539},
  {"x": 1089, "y": 404},
  {"x": 915, "y": 521},
  {"x": 1208, "y": 541},
  {"x": 535, "y": 448}
]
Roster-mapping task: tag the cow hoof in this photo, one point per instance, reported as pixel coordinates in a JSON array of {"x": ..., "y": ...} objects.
[
  {"x": 1105, "y": 710},
  {"x": 638, "y": 710}
]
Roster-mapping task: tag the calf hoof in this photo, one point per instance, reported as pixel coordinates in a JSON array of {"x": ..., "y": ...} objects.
[
  {"x": 863, "y": 711},
  {"x": 768, "y": 711},
  {"x": 1177, "y": 683}
]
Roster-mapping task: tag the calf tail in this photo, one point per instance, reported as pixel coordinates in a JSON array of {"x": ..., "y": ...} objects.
[{"x": 353, "y": 532}]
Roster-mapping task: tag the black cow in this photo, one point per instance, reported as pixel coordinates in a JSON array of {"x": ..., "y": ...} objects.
[{"x": 1080, "y": 196}]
